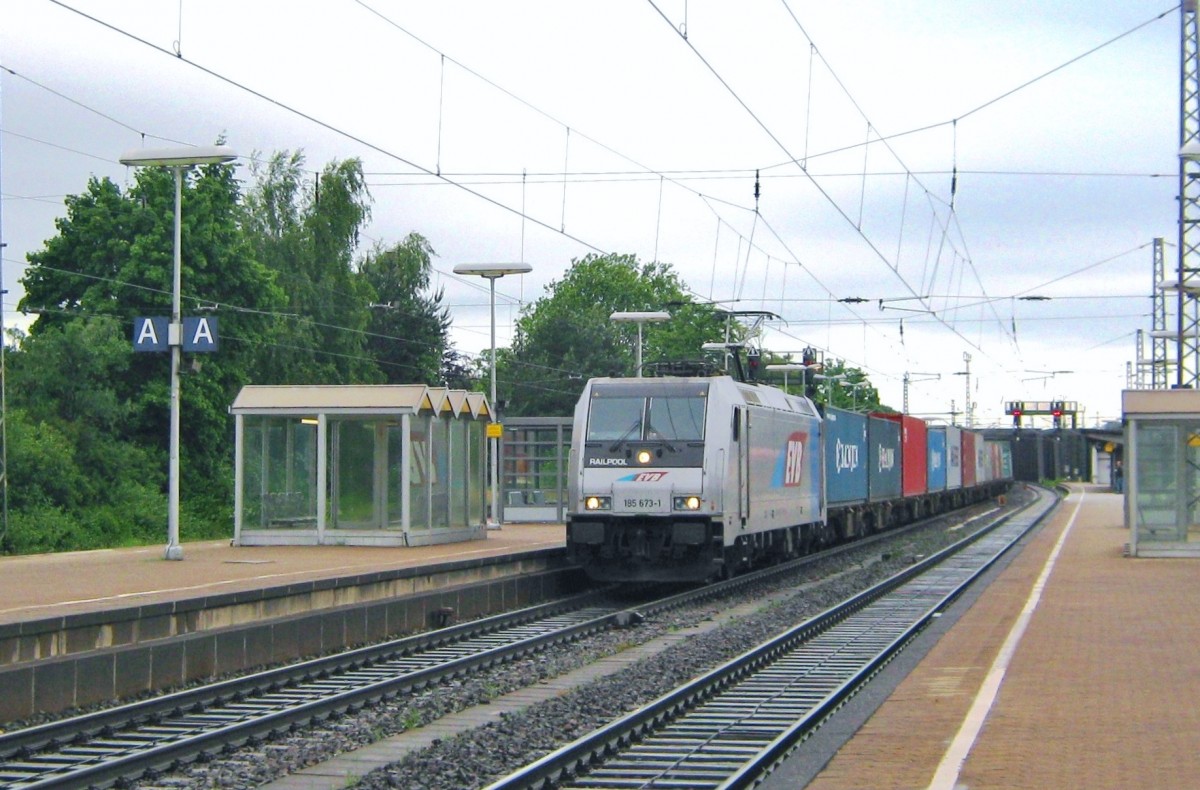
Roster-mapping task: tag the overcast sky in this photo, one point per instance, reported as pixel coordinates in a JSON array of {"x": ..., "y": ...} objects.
[{"x": 1013, "y": 152}]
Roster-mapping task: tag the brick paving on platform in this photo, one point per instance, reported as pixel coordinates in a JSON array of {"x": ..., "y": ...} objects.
[{"x": 1102, "y": 691}]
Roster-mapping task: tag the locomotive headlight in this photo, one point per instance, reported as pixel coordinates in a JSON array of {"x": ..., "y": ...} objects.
[
  {"x": 687, "y": 502},
  {"x": 643, "y": 456},
  {"x": 597, "y": 503}
]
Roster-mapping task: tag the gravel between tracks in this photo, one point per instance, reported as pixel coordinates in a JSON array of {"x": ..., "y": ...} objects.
[{"x": 477, "y": 757}]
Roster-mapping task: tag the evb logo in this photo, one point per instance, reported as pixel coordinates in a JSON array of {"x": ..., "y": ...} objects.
[{"x": 793, "y": 466}]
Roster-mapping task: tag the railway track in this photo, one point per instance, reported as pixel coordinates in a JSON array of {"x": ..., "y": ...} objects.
[
  {"x": 160, "y": 735},
  {"x": 728, "y": 728},
  {"x": 130, "y": 741}
]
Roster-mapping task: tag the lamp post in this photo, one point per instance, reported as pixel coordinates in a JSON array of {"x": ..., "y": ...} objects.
[
  {"x": 492, "y": 272},
  {"x": 178, "y": 159},
  {"x": 829, "y": 384},
  {"x": 855, "y": 386},
  {"x": 640, "y": 318},
  {"x": 792, "y": 367}
]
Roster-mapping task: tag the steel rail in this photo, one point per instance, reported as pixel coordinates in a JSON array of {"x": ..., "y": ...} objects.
[
  {"x": 724, "y": 729},
  {"x": 157, "y": 734},
  {"x": 37, "y": 737},
  {"x": 283, "y": 694},
  {"x": 133, "y": 740}
]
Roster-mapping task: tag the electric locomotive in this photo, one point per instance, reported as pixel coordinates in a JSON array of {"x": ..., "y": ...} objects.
[{"x": 689, "y": 479}]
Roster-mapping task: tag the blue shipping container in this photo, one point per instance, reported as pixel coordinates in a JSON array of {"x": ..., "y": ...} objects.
[
  {"x": 883, "y": 479},
  {"x": 845, "y": 457},
  {"x": 937, "y": 458}
]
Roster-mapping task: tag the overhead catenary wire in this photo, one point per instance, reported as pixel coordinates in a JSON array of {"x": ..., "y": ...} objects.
[
  {"x": 995, "y": 99},
  {"x": 783, "y": 147},
  {"x": 768, "y": 255},
  {"x": 325, "y": 124},
  {"x": 490, "y": 83}
]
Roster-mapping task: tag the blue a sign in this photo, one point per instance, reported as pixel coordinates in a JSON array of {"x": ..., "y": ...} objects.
[
  {"x": 153, "y": 334},
  {"x": 150, "y": 334},
  {"x": 200, "y": 334}
]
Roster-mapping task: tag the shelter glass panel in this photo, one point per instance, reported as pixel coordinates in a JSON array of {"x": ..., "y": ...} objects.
[
  {"x": 459, "y": 473},
  {"x": 476, "y": 487},
  {"x": 393, "y": 475},
  {"x": 440, "y": 483},
  {"x": 1166, "y": 505},
  {"x": 279, "y": 473},
  {"x": 420, "y": 474},
  {"x": 352, "y": 501},
  {"x": 395, "y": 481}
]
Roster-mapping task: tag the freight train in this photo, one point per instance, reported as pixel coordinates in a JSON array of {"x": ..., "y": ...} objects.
[{"x": 694, "y": 478}]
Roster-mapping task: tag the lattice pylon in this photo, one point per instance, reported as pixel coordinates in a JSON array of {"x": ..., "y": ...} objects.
[
  {"x": 1187, "y": 363},
  {"x": 1160, "y": 365}
]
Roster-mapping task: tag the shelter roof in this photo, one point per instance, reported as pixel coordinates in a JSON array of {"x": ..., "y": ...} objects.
[{"x": 312, "y": 399}]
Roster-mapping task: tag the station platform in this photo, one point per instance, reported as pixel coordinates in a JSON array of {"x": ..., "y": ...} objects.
[
  {"x": 1075, "y": 667},
  {"x": 38, "y": 586},
  {"x": 82, "y": 628}
]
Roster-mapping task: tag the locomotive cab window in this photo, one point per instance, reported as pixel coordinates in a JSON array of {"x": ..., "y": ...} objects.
[
  {"x": 665, "y": 414},
  {"x": 615, "y": 418},
  {"x": 679, "y": 419}
]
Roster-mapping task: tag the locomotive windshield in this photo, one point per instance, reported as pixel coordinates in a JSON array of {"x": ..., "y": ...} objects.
[{"x": 627, "y": 412}]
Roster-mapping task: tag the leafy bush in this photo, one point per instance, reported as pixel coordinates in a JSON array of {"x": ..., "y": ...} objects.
[
  {"x": 40, "y": 529},
  {"x": 134, "y": 514}
]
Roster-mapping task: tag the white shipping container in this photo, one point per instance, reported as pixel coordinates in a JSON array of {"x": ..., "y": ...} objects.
[{"x": 954, "y": 458}]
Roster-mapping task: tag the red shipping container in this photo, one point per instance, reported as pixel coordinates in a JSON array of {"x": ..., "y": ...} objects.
[
  {"x": 968, "y": 456},
  {"x": 914, "y": 447}
]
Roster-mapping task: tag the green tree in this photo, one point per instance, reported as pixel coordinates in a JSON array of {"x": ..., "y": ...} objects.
[
  {"x": 87, "y": 267},
  {"x": 849, "y": 387},
  {"x": 76, "y": 481},
  {"x": 409, "y": 329},
  {"x": 461, "y": 373},
  {"x": 113, "y": 260},
  {"x": 566, "y": 337},
  {"x": 306, "y": 231}
]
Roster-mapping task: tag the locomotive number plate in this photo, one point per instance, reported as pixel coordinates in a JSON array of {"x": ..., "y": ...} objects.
[{"x": 643, "y": 504}]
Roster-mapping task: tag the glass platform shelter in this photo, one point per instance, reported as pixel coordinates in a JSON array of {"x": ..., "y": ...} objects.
[
  {"x": 386, "y": 465},
  {"x": 1162, "y": 472}
]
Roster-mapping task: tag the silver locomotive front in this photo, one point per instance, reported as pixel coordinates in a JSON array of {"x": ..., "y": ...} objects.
[{"x": 639, "y": 507}]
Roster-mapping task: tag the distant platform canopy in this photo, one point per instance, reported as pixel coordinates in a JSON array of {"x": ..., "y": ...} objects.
[{"x": 383, "y": 465}]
